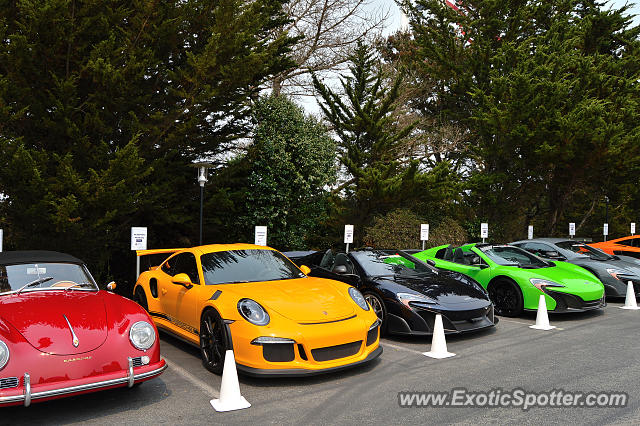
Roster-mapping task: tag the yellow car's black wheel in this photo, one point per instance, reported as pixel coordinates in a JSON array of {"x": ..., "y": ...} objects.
[
  {"x": 213, "y": 341},
  {"x": 140, "y": 298}
]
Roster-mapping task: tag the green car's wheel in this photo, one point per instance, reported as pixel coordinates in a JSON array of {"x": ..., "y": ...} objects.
[
  {"x": 378, "y": 308},
  {"x": 506, "y": 298},
  {"x": 213, "y": 341}
]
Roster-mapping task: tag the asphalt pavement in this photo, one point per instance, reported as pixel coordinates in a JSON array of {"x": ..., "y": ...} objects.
[{"x": 588, "y": 352}]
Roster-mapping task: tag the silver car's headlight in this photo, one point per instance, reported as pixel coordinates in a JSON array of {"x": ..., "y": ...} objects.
[
  {"x": 618, "y": 274},
  {"x": 358, "y": 298},
  {"x": 4, "y": 354},
  {"x": 253, "y": 312},
  {"x": 142, "y": 335}
]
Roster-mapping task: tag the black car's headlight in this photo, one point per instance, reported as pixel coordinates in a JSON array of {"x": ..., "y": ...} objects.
[
  {"x": 358, "y": 298},
  {"x": 253, "y": 312},
  {"x": 4, "y": 354},
  {"x": 541, "y": 284},
  {"x": 142, "y": 335},
  {"x": 405, "y": 298}
]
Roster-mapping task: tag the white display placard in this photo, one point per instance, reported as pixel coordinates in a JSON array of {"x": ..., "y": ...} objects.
[
  {"x": 484, "y": 230},
  {"x": 530, "y": 232},
  {"x": 261, "y": 236},
  {"x": 572, "y": 229},
  {"x": 605, "y": 229},
  {"x": 139, "y": 238},
  {"x": 348, "y": 234},
  {"x": 633, "y": 231},
  {"x": 1, "y": 237},
  {"x": 424, "y": 232}
]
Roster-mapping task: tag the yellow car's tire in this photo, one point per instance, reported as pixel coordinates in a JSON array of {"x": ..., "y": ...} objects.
[
  {"x": 140, "y": 298},
  {"x": 213, "y": 341}
]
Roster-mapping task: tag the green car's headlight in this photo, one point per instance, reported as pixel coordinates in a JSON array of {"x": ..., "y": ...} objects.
[
  {"x": 253, "y": 312},
  {"x": 541, "y": 284},
  {"x": 4, "y": 354},
  {"x": 358, "y": 298}
]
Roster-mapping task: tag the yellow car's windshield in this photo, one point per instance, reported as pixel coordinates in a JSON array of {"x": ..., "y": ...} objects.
[{"x": 242, "y": 266}]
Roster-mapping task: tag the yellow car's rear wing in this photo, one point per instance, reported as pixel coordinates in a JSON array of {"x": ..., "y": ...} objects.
[
  {"x": 157, "y": 251},
  {"x": 166, "y": 252}
]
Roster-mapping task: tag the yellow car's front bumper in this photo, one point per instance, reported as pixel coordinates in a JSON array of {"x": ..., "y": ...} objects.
[{"x": 308, "y": 349}]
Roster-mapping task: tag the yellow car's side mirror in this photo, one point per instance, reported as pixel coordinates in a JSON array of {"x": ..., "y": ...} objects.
[
  {"x": 183, "y": 280},
  {"x": 111, "y": 286},
  {"x": 305, "y": 269}
]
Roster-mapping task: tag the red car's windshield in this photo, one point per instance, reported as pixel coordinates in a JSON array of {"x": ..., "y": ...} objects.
[{"x": 44, "y": 276}]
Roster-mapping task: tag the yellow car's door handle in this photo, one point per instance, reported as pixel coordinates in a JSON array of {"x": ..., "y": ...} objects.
[{"x": 164, "y": 291}]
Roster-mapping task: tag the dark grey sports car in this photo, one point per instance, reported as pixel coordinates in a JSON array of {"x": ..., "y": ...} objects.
[{"x": 614, "y": 271}]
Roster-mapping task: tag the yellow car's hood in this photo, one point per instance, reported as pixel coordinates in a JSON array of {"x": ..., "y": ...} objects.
[{"x": 304, "y": 300}]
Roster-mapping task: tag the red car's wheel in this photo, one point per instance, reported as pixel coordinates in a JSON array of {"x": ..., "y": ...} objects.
[{"x": 213, "y": 341}]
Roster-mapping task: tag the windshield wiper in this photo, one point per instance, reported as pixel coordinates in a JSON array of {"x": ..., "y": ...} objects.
[
  {"x": 32, "y": 283},
  {"x": 76, "y": 285}
]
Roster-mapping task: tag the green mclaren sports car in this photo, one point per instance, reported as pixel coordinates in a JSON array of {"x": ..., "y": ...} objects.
[{"x": 515, "y": 278}]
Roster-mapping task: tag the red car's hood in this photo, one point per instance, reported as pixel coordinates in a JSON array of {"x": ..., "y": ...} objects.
[{"x": 40, "y": 317}]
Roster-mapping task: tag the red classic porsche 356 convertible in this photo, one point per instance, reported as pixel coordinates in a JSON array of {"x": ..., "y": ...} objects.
[{"x": 60, "y": 335}]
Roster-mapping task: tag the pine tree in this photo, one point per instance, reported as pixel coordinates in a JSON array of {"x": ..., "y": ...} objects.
[
  {"x": 103, "y": 105},
  {"x": 368, "y": 137},
  {"x": 548, "y": 92}
]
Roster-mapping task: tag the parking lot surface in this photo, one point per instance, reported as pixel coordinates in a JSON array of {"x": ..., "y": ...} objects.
[{"x": 588, "y": 352}]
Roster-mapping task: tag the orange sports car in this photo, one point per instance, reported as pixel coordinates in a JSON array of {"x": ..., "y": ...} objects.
[
  {"x": 626, "y": 246},
  {"x": 254, "y": 300}
]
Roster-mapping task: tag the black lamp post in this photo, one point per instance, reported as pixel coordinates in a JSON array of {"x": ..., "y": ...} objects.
[
  {"x": 606, "y": 214},
  {"x": 202, "y": 179}
]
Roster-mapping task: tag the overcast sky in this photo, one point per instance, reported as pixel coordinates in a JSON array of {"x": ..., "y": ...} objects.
[
  {"x": 394, "y": 22},
  {"x": 394, "y": 18}
]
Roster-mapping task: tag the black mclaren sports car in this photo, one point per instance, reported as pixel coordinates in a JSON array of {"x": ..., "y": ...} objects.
[{"x": 407, "y": 293}]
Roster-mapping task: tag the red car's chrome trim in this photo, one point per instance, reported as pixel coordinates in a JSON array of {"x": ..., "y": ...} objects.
[{"x": 130, "y": 378}]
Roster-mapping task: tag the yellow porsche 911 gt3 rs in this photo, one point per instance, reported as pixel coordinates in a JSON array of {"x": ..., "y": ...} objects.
[{"x": 254, "y": 300}]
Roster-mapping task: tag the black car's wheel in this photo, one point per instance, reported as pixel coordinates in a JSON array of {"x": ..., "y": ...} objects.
[
  {"x": 140, "y": 298},
  {"x": 213, "y": 341},
  {"x": 506, "y": 298},
  {"x": 378, "y": 308}
]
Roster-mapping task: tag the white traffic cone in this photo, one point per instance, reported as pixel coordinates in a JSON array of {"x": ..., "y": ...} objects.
[
  {"x": 542, "y": 319},
  {"x": 630, "y": 301},
  {"x": 438, "y": 342},
  {"x": 230, "y": 398}
]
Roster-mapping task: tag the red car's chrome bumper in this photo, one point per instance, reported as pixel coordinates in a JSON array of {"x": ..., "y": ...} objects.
[{"x": 73, "y": 387}]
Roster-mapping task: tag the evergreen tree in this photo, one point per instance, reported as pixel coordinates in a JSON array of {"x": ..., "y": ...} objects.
[
  {"x": 368, "y": 137},
  {"x": 291, "y": 163},
  {"x": 103, "y": 105},
  {"x": 549, "y": 94}
]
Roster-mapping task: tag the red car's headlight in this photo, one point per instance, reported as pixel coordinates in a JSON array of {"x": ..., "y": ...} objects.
[
  {"x": 4, "y": 354},
  {"x": 142, "y": 335}
]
